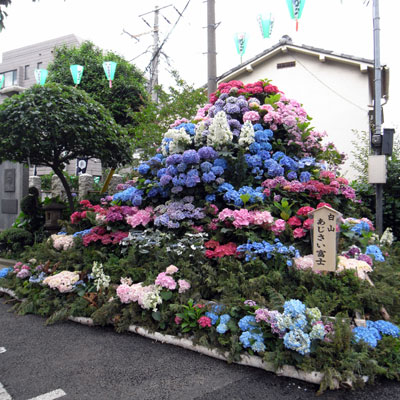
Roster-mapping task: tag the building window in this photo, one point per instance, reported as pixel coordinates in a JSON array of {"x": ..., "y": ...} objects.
[
  {"x": 10, "y": 78},
  {"x": 39, "y": 65},
  {"x": 286, "y": 65},
  {"x": 26, "y": 74}
]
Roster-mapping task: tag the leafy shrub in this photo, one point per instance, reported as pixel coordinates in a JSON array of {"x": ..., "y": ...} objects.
[{"x": 14, "y": 240}]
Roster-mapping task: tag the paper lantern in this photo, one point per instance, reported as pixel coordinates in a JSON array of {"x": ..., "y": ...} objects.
[
  {"x": 77, "y": 72},
  {"x": 296, "y": 9},
  {"x": 109, "y": 69},
  {"x": 41, "y": 76},
  {"x": 266, "y": 25},
  {"x": 241, "y": 43}
]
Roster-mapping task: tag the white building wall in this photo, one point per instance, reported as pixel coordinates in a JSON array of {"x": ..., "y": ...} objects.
[{"x": 334, "y": 94}]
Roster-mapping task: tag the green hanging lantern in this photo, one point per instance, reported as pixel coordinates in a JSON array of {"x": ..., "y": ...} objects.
[
  {"x": 1, "y": 80},
  {"x": 296, "y": 9},
  {"x": 241, "y": 43},
  {"x": 77, "y": 72},
  {"x": 109, "y": 69},
  {"x": 266, "y": 26},
  {"x": 41, "y": 76}
]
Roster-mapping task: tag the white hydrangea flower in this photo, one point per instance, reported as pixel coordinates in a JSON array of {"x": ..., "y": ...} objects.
[
  {"x": 198, "y": 137},
  {"x": 387, "y": 237},
  {"x": 247, "y": 136},
  {"x": 219, "y": 132},
  {"x": 180, "y": 139},
  {"x": 101, "y": 280}
]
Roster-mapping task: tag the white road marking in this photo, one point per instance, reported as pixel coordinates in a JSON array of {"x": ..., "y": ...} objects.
[
  {"x": 55, "y": 394},
  {"x": 2, "y": 350},
  {"x": 4, "y": 394}
]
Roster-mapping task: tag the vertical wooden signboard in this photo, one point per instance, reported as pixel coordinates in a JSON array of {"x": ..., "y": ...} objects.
[{"x": 324, "y": 238}]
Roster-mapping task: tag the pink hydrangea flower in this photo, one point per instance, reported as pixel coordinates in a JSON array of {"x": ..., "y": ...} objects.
[
  {"x": 299, "y": 233},
  {"x": 251, "y": 116},
  {"x": 204, "y": 321},
  {"x": 183, "y": 285},
  {"x": 278, "y": 226},
  {"x": 178, "y": 320},
  {"x": 171, "y": 270},
  {"x": 165, "y": 281}
]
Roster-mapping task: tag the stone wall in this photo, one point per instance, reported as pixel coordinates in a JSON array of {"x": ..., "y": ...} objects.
[{"x": 14, "y": 184}]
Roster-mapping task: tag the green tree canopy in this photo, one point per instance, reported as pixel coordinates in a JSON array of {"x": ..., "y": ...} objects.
[
  {"x": 54, "y": 124},
  {"x": 128, "y": 92}
]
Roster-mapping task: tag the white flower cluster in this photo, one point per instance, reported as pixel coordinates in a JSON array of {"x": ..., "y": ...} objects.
[
  {"x": 175, "y": 141},
  {"x": 387, "y": 237},
  {"x": 63, "y": 281},
  {"x": 198, "y": 137},
  {"x": 151, "y": 298},
  {"x": 247, "y": 136},
  {"x": 219, "y": 132},
  {"x": 101, "y": 280},
  {"x": 62, "y": 242}
]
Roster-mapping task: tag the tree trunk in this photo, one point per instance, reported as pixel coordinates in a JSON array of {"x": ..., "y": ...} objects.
[{"x": 64, "y": 182}]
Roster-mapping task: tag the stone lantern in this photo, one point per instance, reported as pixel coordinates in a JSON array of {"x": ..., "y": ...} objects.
[{"x": 53, "y": 213}]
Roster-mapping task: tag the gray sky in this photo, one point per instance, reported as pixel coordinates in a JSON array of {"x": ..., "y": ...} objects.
[{"x": 344, "y": 26}]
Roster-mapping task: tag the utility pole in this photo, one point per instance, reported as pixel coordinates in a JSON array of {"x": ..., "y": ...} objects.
[
  {"x": 377, "y": 112},
  {"x": 155, "y": 58},
  {"x": 211, "y": 49}
]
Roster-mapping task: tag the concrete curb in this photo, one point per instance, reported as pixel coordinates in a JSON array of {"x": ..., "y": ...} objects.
[{"x": 288, "y": 371}]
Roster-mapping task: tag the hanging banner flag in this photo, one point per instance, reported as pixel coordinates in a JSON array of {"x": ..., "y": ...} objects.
[
  {"x": 41, "y": 76},
  {"x": 1, "y": 80},
  {"x": 241, "y": 43},
  {"x": 109, "y": 68},
  {"x": 266, "y": 25},
  {"x": 81, "y": 165},
  {"x": 77, "y": 72},
  {"x": 296, "y": 9}
]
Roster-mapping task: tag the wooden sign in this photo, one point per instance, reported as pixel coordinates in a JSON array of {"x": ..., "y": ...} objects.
[{"x": 324, "y": 238}]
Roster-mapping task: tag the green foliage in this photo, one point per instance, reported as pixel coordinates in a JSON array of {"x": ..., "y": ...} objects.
[
  {"x": 190, "y": 314},
  {"x": 13, "y": 241},
  {"x": 154, "y": 119},
  {"x": 63, "y": 123},
  {"x": 128, "y": 92},
  {"x": 391, "y": 189}
]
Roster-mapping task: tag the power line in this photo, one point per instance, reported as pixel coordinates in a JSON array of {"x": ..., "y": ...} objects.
[
  {"x": 156, "y": 54},
  {"x": 328, "y": 87}
]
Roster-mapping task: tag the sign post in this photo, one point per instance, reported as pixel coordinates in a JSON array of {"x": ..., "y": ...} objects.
[{"x": 324, "y": 238}]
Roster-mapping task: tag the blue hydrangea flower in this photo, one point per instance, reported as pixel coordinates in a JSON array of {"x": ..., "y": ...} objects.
[
  {"x": 247, "y": 323},
  {"x": 189, "y": 128},
  {"x": 224, "y": 319},
  {"x": 217, "y": 170},
  {"x": 206, "y": 166},
  {"x": 297, "y": 340},
  {"x": 212, "y": 316},
  {"x": 292, "y": 175},
  {"x": 386, "y": 328},
  {"x": 258, "y": 347},
  {"x": 220, "y": 162},
  {"x": 4, "y": 272},
  {"x": 360, "y": 227},
  {"x": 362, "y": 333},
  {"x": 210, "y": 198},
  {"x": 82, "y": 233},
  {"x": 190, "y": 157},
  {"x": 144, "y": 169},
  {"x": 208, "y": 177},
  {"x": 165, "y": 180},
  {"x": 376, "y": 252},
  {"x": 294, "y": 308},
  {"x": 222, "y": 328},
  {"x": 225, "y": 187},
  {"x": 305, "y": 176},
  {"x": 161, "y": 172},
  {"x": 173, "y": 159},
  {"x": 207, "y": 153}
]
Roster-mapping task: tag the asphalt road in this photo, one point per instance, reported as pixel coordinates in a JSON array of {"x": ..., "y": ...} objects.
[{"x": 76, "y": 362}]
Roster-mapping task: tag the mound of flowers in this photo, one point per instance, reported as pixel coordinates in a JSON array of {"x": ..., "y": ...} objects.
[{"x": 212, "y": 240}]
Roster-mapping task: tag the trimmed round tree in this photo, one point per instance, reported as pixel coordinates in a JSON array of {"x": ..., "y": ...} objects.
[{"x": 53, "y": 124}]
